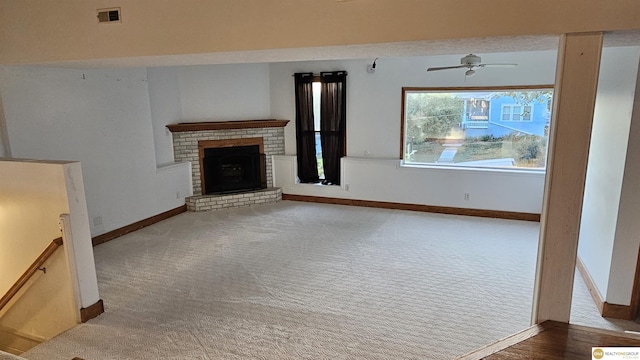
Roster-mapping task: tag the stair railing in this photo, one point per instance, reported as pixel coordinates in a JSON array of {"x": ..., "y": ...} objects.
[{"x": 31, "y": 270}]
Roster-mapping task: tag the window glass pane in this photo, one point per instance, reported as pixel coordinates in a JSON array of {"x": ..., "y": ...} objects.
[
  {"x": 526, "y": 115},
  {"x": 478, "y": 128},
  {"x": 316, "y": 105},
  {"x": 506, "y": 112},
  {"x": 316, "y": 124},
  {"x": 319, "y": 156}
]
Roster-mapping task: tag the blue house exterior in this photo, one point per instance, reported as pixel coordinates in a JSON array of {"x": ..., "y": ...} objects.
[{"x": 486, "y": 115}]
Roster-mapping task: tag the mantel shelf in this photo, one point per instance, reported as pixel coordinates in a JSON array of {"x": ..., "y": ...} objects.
[{"x": 227, "y": 125}]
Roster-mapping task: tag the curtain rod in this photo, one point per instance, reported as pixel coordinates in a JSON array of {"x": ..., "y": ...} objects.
[{"x": 324, "y": 72}]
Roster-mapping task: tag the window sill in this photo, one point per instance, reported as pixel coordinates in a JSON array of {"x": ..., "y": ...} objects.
[
  {"x": 320, "y": 188},
  {"x": 486, "y": 169},
  {"x": 298, "y": 183}
]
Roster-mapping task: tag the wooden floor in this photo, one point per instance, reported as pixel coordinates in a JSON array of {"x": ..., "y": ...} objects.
[{"x": 553, "y": 340}]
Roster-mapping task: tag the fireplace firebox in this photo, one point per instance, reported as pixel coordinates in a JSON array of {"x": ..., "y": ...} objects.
[{"x": 232, "y": 166}]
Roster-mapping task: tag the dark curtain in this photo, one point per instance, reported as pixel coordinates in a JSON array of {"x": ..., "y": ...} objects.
[
  {"x": 305, "y": 135},
  {"x": 333, "y": 111}
]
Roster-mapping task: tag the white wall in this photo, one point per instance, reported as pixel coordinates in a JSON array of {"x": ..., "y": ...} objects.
[
  {"x": 385, "y": 180},
  {"x": 205, "y": 93},
  {"x": 114, "y": 122},
  {"x": 224, "y": 92},
  {"x": 4, "y": 137},
  {"x": 606, "y": 166},
  {"x": 625, "y": 248},
  {"x": 77, "y": 237},
  {"x": 103, "y": 119},
  {"x": 166, "y": 108},
  {"x": 373, "y": 133}
]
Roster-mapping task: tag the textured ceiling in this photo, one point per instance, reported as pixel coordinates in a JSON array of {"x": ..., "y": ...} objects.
[{"x": 417, "y": 48}]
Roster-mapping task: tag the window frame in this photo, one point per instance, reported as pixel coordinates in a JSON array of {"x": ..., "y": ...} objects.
[{"x": 405, "y": 90}]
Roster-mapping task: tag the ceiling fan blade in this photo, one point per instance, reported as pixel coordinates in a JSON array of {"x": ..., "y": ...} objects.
[
  {"x": 446, "y": 67},
  {"x": 498, "y": 65}
]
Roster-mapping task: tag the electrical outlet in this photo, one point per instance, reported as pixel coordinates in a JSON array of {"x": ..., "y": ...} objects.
[
  {"x": 467, "y": 196},
  {"x": 98, "y": 224}
]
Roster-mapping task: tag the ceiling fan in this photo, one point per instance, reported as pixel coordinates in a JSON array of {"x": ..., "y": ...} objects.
[{"x": 471, "y": 62}]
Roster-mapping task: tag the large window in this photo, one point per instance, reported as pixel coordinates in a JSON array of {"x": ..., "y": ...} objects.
[{"x": 500, "y": 127}]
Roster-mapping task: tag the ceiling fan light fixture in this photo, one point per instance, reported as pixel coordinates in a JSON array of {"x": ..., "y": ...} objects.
[
  {"x": 471, "y": 62},
  {"x": 470, "y": 59}
]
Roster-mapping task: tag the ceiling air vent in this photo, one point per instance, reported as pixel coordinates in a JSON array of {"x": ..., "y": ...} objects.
[{"x": 109, "y": 15}]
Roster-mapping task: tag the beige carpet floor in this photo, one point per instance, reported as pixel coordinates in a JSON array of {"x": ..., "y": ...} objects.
[{"x": 310, "y": 281}]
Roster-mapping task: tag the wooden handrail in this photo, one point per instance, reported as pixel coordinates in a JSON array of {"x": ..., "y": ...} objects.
[{"x": 13, "y": 290}]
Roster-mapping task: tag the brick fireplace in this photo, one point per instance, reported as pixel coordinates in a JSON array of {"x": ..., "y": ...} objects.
[{"x": 191, "y": 139}]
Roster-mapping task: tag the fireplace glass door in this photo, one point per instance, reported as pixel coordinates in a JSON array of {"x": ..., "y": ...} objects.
[{"x": 233, "y": 169}]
